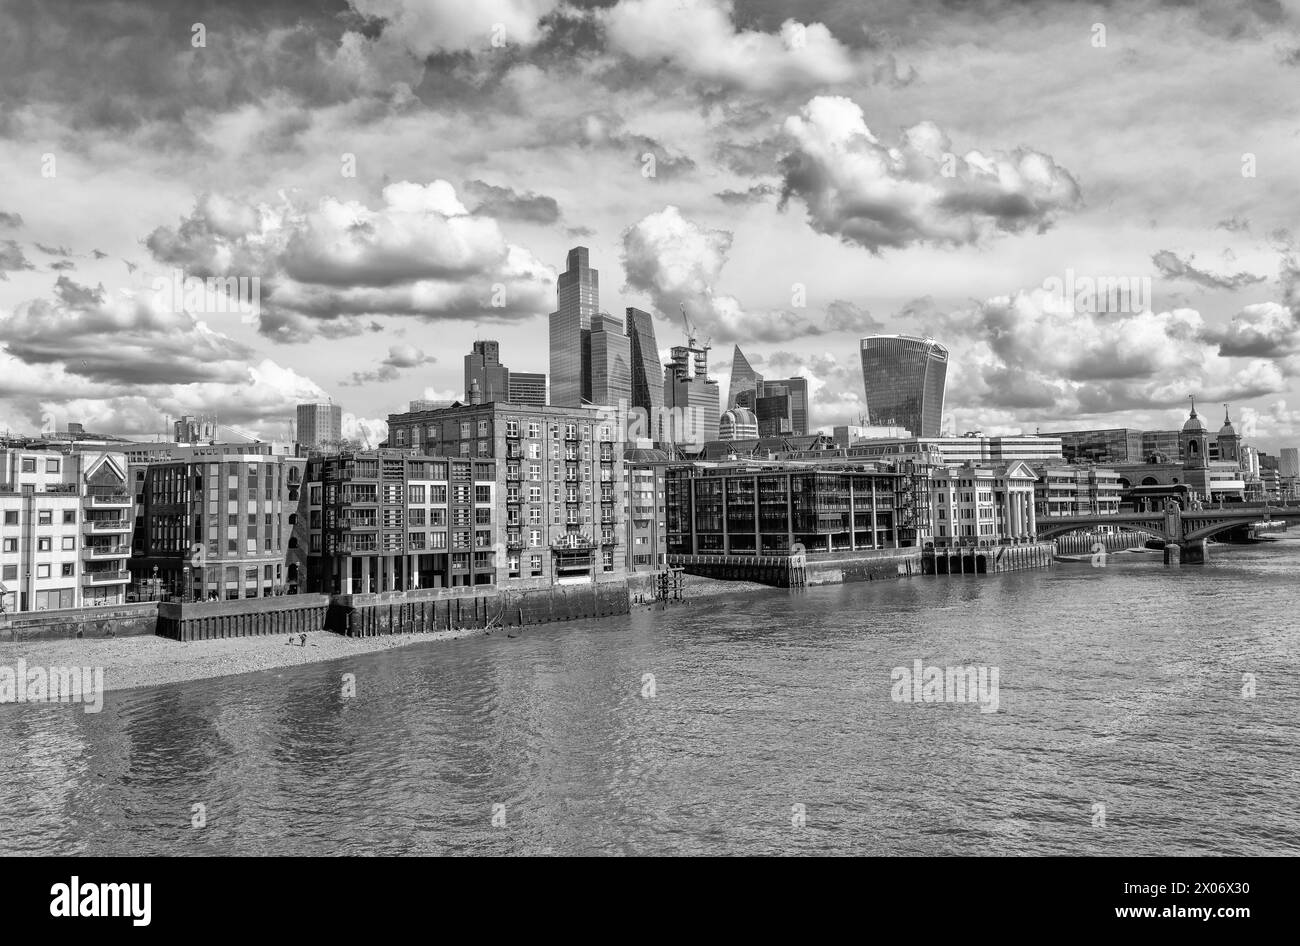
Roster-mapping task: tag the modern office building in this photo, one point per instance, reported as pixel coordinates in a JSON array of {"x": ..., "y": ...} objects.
[
  {"x": 1167, "y": 443},
  {"x": 846, "y": 435},
  {"x": 781, "y": 407},
  {"x": 1075, "y": 489},
  {"x": 755, "y": 508},
  {"x": 559, "y": 478},
  {"x": 904, "y": 378},
  {"x": 390, "y": 520},
  {"x": 647, "y": 372},
  {"x": 483, "y": 364},
  {"x": 1112, "y": 445},
  {"x": 1288, "y": 462},
  {"x": 691, "y": 399},
  {"x": 217, "y": 525},
  {"x": 64, "y": 540},
  {"x": 525, "y": 388},
  {"x": 577, "y": 303},
  {"x": 610, "y": 362},
  {"x": 319, "y": 425},
  {"x": 796, "y": 390},
  {"x": 743, "y": 379},
  {"x": 954, "y": 451}
]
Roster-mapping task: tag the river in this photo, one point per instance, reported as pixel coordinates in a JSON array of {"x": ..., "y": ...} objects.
[{"x": 755, "y": 724}]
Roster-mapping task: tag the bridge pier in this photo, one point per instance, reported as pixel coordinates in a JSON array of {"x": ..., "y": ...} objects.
[
  {"x": 1173, "y": 553},
  {"x": 1194, "y": 552}
]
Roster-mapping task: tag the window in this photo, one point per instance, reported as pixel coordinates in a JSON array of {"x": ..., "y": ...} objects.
[
  {"x": 535, "y": 538},
  {"x": 43, "y": 544},
  {"x": 482, "y": 428},
  {"x": 464, "y": 430},
  {"x": 29, "y": 464},
  {"x": 42, "y": 571},
  {"x": 45, "y": 517},
  {"x": 69, "y": 569},
  {"x": 69, "y": 543},
  {"x": 69, "y": 516},
  {"x": 10, "y": 572},
  {"x": 11, "y": 545},
  {"x": 482, "y": 494},
  {"x": 415, "y": 495},
  {"x": 51, "y": 466},
  {"x": 11, "y": 517}
]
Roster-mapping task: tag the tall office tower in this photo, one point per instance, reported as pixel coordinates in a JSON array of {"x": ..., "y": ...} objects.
[
  {"x": 743, "y": 378},
  {"x": 527, "y": 387},
  {"x": 577, "y": 294},
  {"x": 611, "y": 362},
  {"x": 796, "y": 389},
  {"x": 691, "y": 399},
  {"x": 1288, "y": 462},
  {"x": 483, "y": 364},
  {"x": 904, "y": 378},
  {"x": 647, "y": 391},
  {"x": 191, "y": 429},
  {"x": 773, "y": 413},
  {"x": 319, "y": 424}
]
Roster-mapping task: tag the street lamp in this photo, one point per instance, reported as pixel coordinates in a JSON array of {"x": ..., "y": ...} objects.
[{"x": 185, "y": 590}]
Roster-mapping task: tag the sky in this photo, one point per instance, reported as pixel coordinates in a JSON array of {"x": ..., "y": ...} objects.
[{"x": 402, "y": 177}]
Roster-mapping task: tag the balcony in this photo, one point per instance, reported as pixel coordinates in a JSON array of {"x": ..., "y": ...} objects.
[
  {"x": 105, "y": 578},
  {"x": 109, "y": 500},
  {"x": 99, "y": 526},
  {"x": 96, "y": 553}
]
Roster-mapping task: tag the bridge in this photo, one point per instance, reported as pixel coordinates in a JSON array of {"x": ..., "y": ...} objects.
[{"x": 1186, "y": 530}]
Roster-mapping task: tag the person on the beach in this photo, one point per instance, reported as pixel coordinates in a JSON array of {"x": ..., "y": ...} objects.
[{"x": 302, "y": 642}]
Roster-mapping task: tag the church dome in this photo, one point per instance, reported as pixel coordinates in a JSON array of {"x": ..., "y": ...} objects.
[
  {"x": 1227, "y": 430},
  {"x": 1193, "y": 424}
]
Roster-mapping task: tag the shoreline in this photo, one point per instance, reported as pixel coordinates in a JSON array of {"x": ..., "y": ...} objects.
[{"x": 146, "y": 660}]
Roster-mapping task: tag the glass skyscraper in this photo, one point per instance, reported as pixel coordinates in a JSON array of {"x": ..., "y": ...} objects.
[
  {"x": 647, "y": 372},
  {"x": 743, "y": 378},
  {"x": 610, "y": 365},
  {"x": 904, "y": 378},
  {"x": 577, "y": 302}
]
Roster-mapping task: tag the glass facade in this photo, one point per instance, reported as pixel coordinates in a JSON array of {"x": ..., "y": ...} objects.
[
  {"x": 647, "y": 373},
  {"x": 1116, "y": 445},
  {"x": 577, "y": 302},
  {"x": 611, "y": 362},
  {"x": 904, "y": 378},
  {"x": 743, "y": 378}
]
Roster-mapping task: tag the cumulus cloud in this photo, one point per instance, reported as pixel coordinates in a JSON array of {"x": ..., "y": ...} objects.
[
  {"x": 11, "y": 221},
  {"x": 607, "y": 130},
  {"x": 879, "y": 196},
  {"x": 11, "y": 258},
  {"x": 699, "y": 38},
  {"x": 1234, "y": 224},
  {"x": 677, "y": 261},
  {"x": 399, "y": 358},
  {"x": 1266, "y": 330},
  {"x": 845, "y": 316},
  {"x": 1032, "y": 354},
  {"x": 1172, "y": 266},
  {"x": 505, "y": 203},
  {"x": 426, "y": 27},
  {"x": 323, "y": 268}
]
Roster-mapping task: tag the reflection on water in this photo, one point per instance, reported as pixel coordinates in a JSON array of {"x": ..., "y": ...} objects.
[{"x": 1120, "y": 686}]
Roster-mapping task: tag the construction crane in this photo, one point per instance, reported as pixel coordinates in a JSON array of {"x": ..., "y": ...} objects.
[{"x": 691, "y": 330}]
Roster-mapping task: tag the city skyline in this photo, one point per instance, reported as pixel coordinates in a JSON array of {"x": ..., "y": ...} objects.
[{"x": 381, "y": 222}]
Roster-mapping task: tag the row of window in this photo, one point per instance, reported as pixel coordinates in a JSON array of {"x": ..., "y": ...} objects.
[
  {"x": 66, "y": 570},
  {"x": 43, "y": 544},
  {"x": 44, "y": 517}
]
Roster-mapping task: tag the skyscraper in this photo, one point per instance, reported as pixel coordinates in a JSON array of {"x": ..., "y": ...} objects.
[
  {"x": 319, "y": 424},
  {"x": 691, "y": 399},
  {"x": 483, "y": 364},
  {"x": 577, "y": 303},
  {"x": 796, "y": 389},
  {"x": 611, "y": 362},
  {"x": 904, "y": 378},
  {"x": 1288, "y": 462},
  {"x": 743, "y": 377},
  {"x": 647, "y": 387}
]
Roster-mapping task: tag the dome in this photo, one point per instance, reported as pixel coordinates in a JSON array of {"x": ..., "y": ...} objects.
[
  {"x": 1227, "y": 430},
  {"x": 742, "y": 415},
  {"x": 1193, "y": 423}
]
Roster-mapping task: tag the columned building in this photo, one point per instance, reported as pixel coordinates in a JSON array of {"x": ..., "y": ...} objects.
[{"x": 977, "y": 504}]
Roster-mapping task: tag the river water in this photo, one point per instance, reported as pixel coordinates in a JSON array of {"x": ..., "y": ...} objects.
[{"x": 766, "y": 726}]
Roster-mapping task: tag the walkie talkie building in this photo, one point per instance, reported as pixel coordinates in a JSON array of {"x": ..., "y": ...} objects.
[{"x": 904, "y": 378}]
